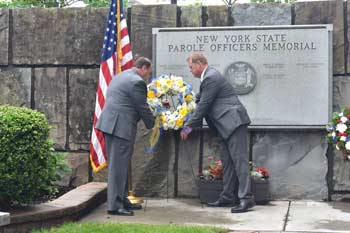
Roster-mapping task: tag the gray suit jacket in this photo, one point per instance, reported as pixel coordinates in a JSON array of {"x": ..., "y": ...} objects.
[
  {"x": 126, "y": 104},
  {"x": 219, "y": 104}
]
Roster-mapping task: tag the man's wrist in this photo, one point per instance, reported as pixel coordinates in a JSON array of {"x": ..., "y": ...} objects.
[{"x": 187, "y": 128}]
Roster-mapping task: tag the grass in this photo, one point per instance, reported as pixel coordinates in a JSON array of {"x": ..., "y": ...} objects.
[{"x": 91, "y": 227}]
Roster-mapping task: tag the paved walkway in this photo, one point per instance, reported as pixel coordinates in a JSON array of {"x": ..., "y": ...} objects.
[{"x": 277, "y": 216}]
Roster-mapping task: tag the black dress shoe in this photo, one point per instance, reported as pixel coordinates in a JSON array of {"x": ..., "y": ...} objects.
[
  {"x": 244, "y": 206},
  {"x": 130, "y": 206},
  {"x": 221, "y": 203},
  {"x": 121, "y": 211}
]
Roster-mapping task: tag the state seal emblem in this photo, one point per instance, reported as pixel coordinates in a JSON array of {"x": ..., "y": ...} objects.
[{"x": 242, "y": 76}]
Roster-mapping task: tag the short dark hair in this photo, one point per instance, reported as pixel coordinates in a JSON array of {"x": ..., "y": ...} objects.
[
  {"x": 142, "y": 61},
  {"x": 198, "y": 57}
]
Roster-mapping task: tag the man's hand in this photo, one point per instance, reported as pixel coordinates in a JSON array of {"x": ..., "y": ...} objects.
[
  {"x": 185, "y": 132},
  {"x": 166, "y": 103}
]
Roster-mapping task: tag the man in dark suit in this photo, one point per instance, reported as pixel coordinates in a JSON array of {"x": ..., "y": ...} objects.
[
  {"x": 224, "y": 113},
  {"x": 125, "y": 106}
]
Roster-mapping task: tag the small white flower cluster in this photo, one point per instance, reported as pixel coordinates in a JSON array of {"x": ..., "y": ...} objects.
[{"x": 339, "y": 132}]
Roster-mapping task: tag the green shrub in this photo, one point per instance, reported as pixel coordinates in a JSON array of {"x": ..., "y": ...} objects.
[{"x": 28, "y": 165}]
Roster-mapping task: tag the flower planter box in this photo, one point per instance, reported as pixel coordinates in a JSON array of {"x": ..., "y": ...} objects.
[
  {"x": 260, "y": 190},
  {"x": 209, "y": 190}
]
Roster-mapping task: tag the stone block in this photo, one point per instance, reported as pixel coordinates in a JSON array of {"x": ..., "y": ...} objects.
[
  {"x": 4, "y": 218},
  {"x": 341, "y": 92},
  {"x": 15, "y": 86},
  {"x": 81, "y": 106},
  {"x": 218, "y": 16},
  {"x": 191, "y": 16},
  {"x": 341, "y": 99},
  {"x": 261, "y": 14},
  {"x": 188, "y": 166},
  {"x": 296, "y": 161},
  {"x": 101, "y": 176},
  {"x": 4, "y": 36},
  {"x": 153, "y": 173},
  {"x": 326, "y": 12},
  {"x": 50, "y": 97},
  {"x": 143, "y": 19},
  {"x": 79, "y": 163},
  {"x": 341, "y": 172},
  {"x": 73, "y": 36}
]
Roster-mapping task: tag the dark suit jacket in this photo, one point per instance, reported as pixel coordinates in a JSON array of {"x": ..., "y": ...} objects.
[
  {"x": 219, "y": 104},
  {"x": 126, "y": 104}
]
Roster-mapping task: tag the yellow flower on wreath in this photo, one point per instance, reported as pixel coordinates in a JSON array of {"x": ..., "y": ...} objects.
[
  {"x": 179, "y": 122},
  {"x": 183, "y": 112},
  {"x": 151, "y": 94},
  {"x": 189, "y": 98}
]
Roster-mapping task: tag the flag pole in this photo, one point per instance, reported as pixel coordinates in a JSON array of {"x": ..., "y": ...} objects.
[{"x": 131, "y": 197}]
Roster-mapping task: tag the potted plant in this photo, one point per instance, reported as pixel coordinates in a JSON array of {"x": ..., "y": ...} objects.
[
  {"x": 339, "y": 130},
  {"x": 210, "y": 183},
  {"x": 260, "y": 184}
]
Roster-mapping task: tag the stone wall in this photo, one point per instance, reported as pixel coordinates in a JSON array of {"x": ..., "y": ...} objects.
[{"x": 49, "y": 60}]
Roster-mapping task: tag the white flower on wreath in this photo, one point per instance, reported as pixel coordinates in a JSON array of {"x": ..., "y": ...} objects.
[
  {"x": 347, "y": 145},
  {"x": 344, "y": 119},
  {"x": 341, "y": 127},
  {"x": 343, "y": 138}
]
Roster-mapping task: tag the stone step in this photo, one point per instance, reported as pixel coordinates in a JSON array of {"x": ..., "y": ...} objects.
[{"x": 4, "y": 218}]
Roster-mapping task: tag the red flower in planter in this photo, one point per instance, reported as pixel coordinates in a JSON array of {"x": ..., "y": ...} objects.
[
  {"x": 213, "y": 171},
  {"x": 259, "y": 173},
  {"x": 264, "y": 172}
]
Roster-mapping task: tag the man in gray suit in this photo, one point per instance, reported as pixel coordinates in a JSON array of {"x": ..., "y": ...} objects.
[
  {"x": 224, "y": 113},
  {"x": 125, "y": 106}
]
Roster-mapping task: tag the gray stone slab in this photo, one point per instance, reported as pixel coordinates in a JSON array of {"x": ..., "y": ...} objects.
[
  {"x": 73, "y": 36},
  {"x": 4, "y": 36},
  {"x": 4, "y": 218},
  {"x": 143, "y": 19},
  {"x": 81, "y": 106},
  {"x": 15, "y": 86},
  {"x": 191, "y": 16},
  {"x": 341, "y": 173},
  {"x": 218, "y": 16},
  {"x": 326, "y": 12},
  {"x": 296, "y": 161},
  {"x": 341, "y": 92},
  {"x": 79, "y": 170},
  {"x": 153, "y": 173},
  {"x": 261, "y": 14},
  {"x": 319, "y": 216},
  {"x": 341, "y": 99},
  {"x": 188, "y": 166},
  {"x": 101, "y": 176},
  {"x": 191, "y": 212},
  {"x": 50, "y": 97}
]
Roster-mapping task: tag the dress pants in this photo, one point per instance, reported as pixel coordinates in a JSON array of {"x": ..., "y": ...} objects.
[
  {"x": 236, "y": 169},
  {"x": 119, "y": 152}
]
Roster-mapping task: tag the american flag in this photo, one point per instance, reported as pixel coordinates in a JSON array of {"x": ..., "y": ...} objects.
[{"x": 116, "y": 57}]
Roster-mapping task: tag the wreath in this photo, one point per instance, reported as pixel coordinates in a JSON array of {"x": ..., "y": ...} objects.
[
  {"x": 180, "y": 109},
  {"x": 339, "y": 131}
]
